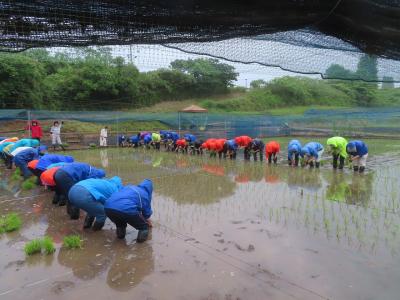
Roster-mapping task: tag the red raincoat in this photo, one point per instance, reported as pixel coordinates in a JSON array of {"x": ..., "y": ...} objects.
[
  {"x": 36, "y": 131},
  {"x": 272, "y": 147}
]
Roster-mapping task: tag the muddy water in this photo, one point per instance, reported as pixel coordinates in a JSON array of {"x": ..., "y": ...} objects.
[{"x": 222, "y": 230}]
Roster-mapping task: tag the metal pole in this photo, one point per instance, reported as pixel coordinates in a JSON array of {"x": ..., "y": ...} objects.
[
  {"x": 179, "y": 122},
  {"x": 29, "y": 124}
]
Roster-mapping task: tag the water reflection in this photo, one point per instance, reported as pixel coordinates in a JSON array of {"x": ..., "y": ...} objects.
[
  {"x": 104, "y": 158},
  {"x": 131, "y": 264},
  {"x": 355, "y": 190},
  {"x": 90, "y": 261},
  {"x": 309, "y": 180}
]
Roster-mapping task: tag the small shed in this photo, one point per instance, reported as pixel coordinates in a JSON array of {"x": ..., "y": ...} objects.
[{"x": 194, "y": 116}]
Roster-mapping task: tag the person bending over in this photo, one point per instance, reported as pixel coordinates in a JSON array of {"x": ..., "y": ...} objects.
[
  {"x": 90, "y": 196},
  {"x": 358, "y": 152},
  {"x": 271, "y": 151},
  {"x": 337, "y": 146},
  {"x": 294, "y": 149},
  {"x": 131, "y": 205},
  {"x": 312, "y": 153}
]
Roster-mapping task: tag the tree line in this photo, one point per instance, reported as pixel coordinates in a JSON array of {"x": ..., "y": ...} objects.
[{"x": 91, "y": 78}]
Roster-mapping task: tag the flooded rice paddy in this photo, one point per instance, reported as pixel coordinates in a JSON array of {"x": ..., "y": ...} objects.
[{"x": 222, "y": 230}]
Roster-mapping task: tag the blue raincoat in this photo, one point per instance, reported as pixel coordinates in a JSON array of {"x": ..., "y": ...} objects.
[
  {"x": 189, "y": 138},
  {"x": 102, "y": 189},
  {"x": 2, "y": 146},
  {"x": 132, "y": 199},
  {"x": 48, "y": 159},
  {"x": 25, "y": 143},
  {"x": 81, "y": 171},
  {"x": 134, "y": 139},
  {"x": 357, "y": 148},
  {"x": 174, "y": 136},
  {"x": 311, "y": 149},
  {"x": 147, "y": 139},
  {"x": 60, "y": 164},
  {"x": 231, "y": 145},
  {"x": 294, "y": 148}
]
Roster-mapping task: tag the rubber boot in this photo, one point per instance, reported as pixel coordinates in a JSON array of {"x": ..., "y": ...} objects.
[
  {"x": 334, "y": 163},
  {"x": 142, "y": 235},
  {"x": 88, "y": 222},
  {"x": 97, "y": 226},
  {"x": 289, "y": 162},
  {"x": 121, "y": 232},
  {"x": 341, "y": 163},
  {"x": 362, "y": 169},
  {"x": 74, "y": 212},
  {"x": 275, "y": 160},
  {"x": 317, "y": 165},
  {"x": 311, "y": 164},
  {"x": 56, "y": 198},
  {"x": 355, "y": 168},
  {"x": 62, "y": 200}
]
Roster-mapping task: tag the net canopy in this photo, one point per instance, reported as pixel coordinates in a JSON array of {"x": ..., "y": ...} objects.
[{"x": 295, "y": 35}]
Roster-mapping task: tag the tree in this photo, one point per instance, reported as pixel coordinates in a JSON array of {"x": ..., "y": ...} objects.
[
  {"x": 257, "y": 84},
  {"x": 210, "y": 76},
  {"x": 387, "y": 82},
  {"x": 338, "y": 72},
  {"x": 367, "y": 68},
  {"x": 21, "y": 82}
]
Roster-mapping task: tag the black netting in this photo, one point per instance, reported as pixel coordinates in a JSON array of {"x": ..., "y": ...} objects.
[{"x": 296, "y": 35}]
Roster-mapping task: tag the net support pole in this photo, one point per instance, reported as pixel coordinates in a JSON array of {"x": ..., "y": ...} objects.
[
  {"x": 29, "y": 124},
  {"x": 179, "y": 123}
]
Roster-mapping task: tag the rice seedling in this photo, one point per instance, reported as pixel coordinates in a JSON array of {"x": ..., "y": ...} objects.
[
  {"x": 28, "y": 184},
  {"x": 48, "y": 245},
  {"x": 10, "y": 222},
  {"x": 16, "y": 175},
  {"x": 72, "y": 242},
  {"x": 32, "y": 247},
  {"x": 44, "y": 245}
]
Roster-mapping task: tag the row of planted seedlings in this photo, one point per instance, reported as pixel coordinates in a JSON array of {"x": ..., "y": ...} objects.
[{"x": 359, "y": 226}]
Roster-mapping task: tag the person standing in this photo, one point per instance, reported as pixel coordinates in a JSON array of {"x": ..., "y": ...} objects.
[
  {"x": 103, "y": 136},
  {"x": 35, "y": 130},
  {"x": 55, "y": 132}
]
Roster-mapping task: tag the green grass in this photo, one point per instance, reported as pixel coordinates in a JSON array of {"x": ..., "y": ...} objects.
[
  {"x": 72, "y": 242},
  {"x": 45, "y": 245},
  {"x": 10, "y": 222},
  {"x": 33, "y": 247}
]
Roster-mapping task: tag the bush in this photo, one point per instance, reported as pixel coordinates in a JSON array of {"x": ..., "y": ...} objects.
[
  {"x": 10, "y": 222},
  {"x": 72, "y": 242}
]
